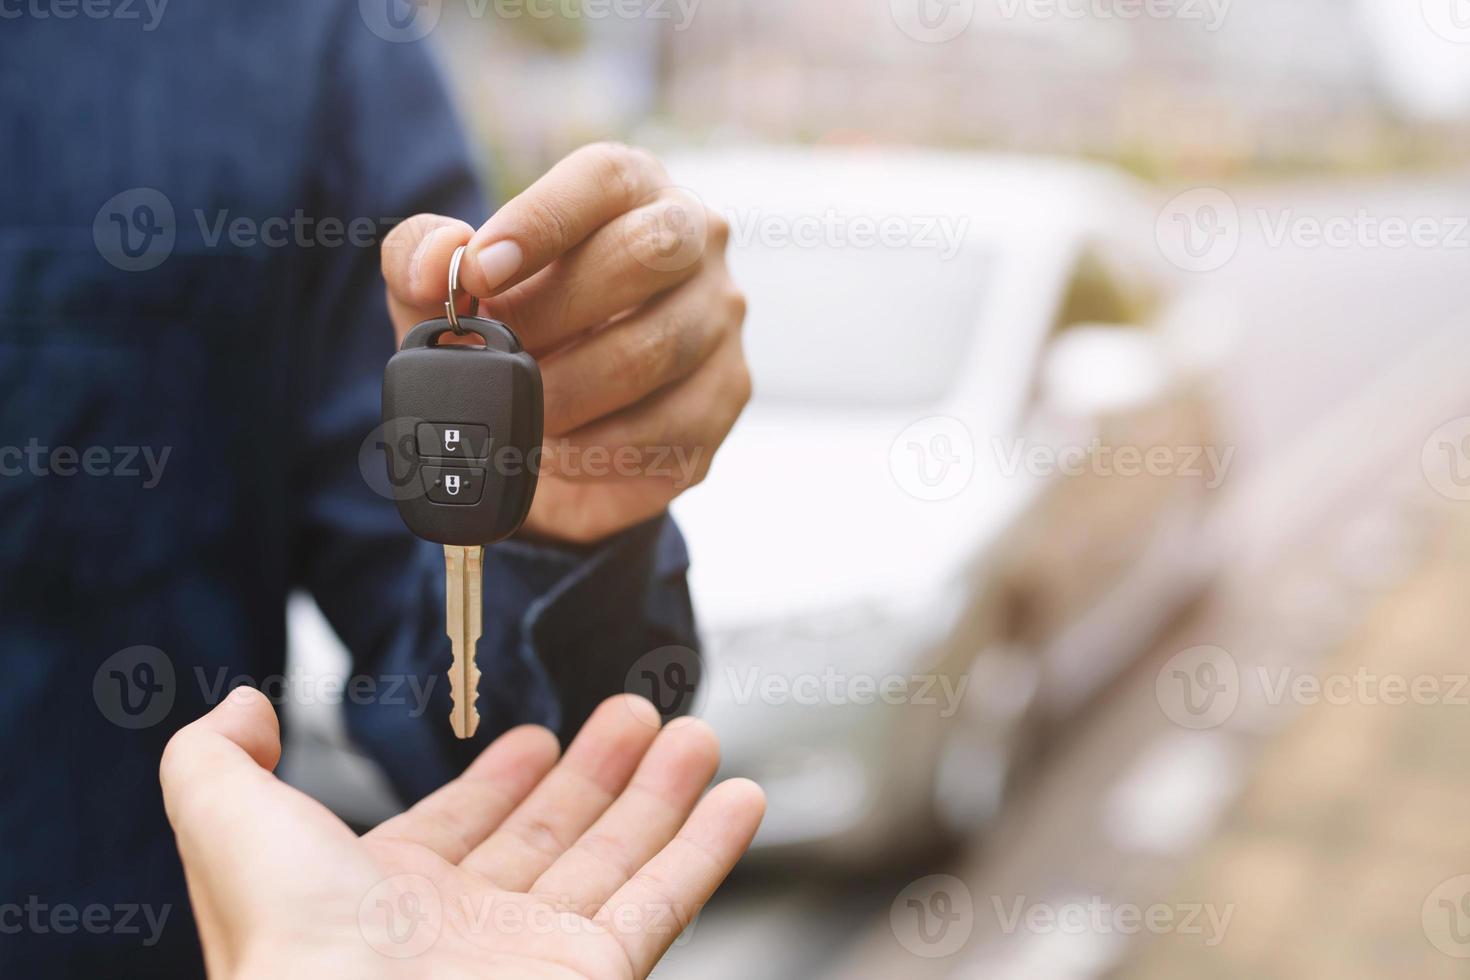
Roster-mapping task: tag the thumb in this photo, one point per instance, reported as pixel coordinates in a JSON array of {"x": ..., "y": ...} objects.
[
  {"x": 217, "y": 786},
  {"x": 213, "y": 759}
]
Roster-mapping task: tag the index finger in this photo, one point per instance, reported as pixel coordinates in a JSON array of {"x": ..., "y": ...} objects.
[{"x": 576, "y": 197}]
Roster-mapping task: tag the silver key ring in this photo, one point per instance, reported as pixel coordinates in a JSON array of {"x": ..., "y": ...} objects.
[{"x": 449, "y": 310}]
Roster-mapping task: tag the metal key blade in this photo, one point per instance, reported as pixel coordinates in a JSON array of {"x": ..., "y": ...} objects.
[{"x": 463, "y": 569}]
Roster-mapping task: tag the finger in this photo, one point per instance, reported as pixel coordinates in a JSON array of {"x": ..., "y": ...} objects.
[
  {"x": 665, "y": 788},
  {"x": 647, "y": 914},
  {"x": 457, "y": 817},
  {"x": 596, "y": 767},
  {"x": 240, "y": 831},
  {"x": 576, "y": 197},
  {"x": 668, "y": 438},
  {"x": 210, "y": 773},
  {"x": 219, "y": 793},
  {"x": 657, "y": 346},
  {"x": 227, "y": 754},
  {"x": 628, "y": 467},
  {"x": 636, "y": 256},
  {"x": 415, "y": 261}
]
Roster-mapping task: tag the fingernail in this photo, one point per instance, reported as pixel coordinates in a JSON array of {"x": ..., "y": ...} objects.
[{"x": 499, "y": 262}]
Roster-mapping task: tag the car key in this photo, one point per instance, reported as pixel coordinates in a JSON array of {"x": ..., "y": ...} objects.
[{"x": 465, "y": 422}]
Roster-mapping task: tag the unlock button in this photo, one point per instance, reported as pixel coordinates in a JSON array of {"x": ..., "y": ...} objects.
[
  {"x": 453, "y": 486},
  {"x": 450, "y": 440}
]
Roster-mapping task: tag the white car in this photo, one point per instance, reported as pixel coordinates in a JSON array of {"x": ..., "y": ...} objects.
[{"x": 938, "y": 524}]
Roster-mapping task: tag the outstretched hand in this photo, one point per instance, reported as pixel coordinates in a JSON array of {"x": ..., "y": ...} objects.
[{"x": 524, "y": 866}]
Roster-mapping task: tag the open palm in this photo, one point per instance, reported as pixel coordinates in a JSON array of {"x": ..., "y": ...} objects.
[{"x": 525, "y": 866}]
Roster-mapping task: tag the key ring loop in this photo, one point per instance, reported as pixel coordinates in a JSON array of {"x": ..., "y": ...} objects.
[{"x": 449, "y": 310}]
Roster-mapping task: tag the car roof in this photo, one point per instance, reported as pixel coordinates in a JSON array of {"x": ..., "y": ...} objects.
[{"x": 1010, "y": 196}]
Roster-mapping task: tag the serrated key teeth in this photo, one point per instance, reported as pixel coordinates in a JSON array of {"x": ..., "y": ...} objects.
[
  {"x": 464, "y": 727},
  {"x": 465, "y": 720}
]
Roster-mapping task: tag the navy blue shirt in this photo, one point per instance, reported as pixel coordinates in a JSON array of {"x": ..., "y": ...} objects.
[{"x": 192, "y": 339}]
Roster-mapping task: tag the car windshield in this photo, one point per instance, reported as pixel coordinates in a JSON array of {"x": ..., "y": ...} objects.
[{"x": 860, "y": 327}]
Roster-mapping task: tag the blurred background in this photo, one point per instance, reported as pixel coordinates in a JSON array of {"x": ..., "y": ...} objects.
[{"x": 1113, "y": 423}]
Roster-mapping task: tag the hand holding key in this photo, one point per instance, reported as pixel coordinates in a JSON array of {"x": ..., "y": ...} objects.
[{"x": 616, "y": 282}]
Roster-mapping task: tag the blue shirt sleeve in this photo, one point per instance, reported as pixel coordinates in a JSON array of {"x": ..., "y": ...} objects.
[{"x": 562, "y": 626}]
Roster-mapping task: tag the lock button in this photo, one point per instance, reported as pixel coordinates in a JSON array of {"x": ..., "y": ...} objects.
[
  {"x": 450, "y": 440},
  {"x": 454, "y": 486}
]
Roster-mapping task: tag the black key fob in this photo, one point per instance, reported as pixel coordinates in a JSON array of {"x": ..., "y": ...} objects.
[{"x": 462, "y": 429}]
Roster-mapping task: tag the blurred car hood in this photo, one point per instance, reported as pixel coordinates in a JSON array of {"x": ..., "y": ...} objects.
[{"x": 801, "y": 513}]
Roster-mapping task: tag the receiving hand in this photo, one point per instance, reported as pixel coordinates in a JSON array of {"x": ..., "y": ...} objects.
[
  {"x": 524, "y": 866},
  {"x": 616, "y": 282}
]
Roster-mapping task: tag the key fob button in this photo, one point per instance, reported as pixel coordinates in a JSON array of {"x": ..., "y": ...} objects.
[
  {"x": 453, "y": 440},
  {"x": 454, "y": 486}
]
